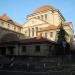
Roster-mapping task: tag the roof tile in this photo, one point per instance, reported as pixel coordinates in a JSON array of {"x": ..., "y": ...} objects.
[
  {"x": 7, "y": 19},
  {"x": 50, "y": 27},
  {"x": 44, "y": 8}
]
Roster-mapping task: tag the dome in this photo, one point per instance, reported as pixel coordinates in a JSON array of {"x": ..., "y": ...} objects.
[{"x": 43, "y": 8}]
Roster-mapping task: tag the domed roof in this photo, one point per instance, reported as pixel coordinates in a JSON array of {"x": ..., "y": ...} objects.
[{"x": 43, "y": 8}]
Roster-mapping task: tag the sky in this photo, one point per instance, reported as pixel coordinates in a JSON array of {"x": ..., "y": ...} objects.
[{"x": 19, "y": 9}]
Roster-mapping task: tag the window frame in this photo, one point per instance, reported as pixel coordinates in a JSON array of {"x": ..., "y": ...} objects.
[
  {"x": 36, "y": 31},
  {"x": 46, "y": 16},
  {"x": 37, "y": 48},
  {"x": 24, "y": 49},
  {"x": 46, "y": 34},
  {"x": 32, "y": 31},
  {"x": 51, "y": 34},
  {"x": 41, "y": 16}
]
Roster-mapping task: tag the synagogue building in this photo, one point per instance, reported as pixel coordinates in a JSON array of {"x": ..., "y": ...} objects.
[{"x": 44, "y": 22}]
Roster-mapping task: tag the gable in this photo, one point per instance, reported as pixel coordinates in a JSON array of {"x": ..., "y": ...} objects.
[{"x": 34, "y": 22}]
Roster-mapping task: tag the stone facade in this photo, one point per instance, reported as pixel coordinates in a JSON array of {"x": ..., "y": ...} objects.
[{"x": 27, "y": 47}]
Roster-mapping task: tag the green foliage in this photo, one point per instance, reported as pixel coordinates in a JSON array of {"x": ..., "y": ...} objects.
[{"x": 61, "y": 34}]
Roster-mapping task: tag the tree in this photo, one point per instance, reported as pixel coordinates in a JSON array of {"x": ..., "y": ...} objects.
[{"x": 62, "y": 45}]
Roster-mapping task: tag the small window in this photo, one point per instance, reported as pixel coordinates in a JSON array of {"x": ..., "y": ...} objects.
[
  {"x": 10, "y": 21},
  {"x": 36, "y": 31},
  {"x": 11, "y": 50},
  {"x": 49, "y": 48},
  {"x": 41, "y": 16},
  {"x": 2, "y": 22},
  {"x": 23, "y": 48},
  {"x": 51, "y": 34},
  {"x": 32, "y": 31},
  {"x": 45, "y": 16},
  {"x": 38, "y": 48},
  {"x": 46, "y": 35},
  {"x": 14, "y": 28},
  {"x": 57, "y": 32},
  {"x": 41, "y": 34},
  {"x": 38, "y": 17},
  {"x": 8, "y": 25},
  {"x": 19, "y": 29}
]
